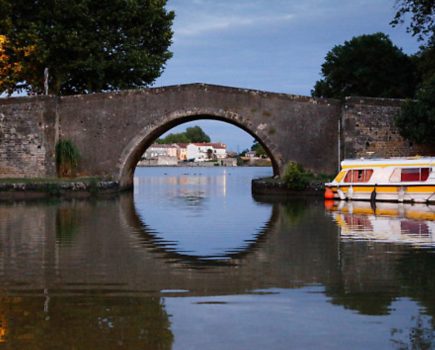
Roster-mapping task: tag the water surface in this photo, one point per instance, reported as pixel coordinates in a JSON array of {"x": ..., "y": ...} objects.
[{"x": 191, "y": 260}]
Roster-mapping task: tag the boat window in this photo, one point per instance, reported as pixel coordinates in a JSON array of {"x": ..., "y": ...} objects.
[
  {"x": 410, "y": 174},
  {"x": 395, "y": 176},
  {"x": 414, "y": 174},
  {"x": 358, "y": 175}
]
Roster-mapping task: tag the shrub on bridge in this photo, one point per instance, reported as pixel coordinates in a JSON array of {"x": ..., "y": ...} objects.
[{"x": 295, "y": 177}]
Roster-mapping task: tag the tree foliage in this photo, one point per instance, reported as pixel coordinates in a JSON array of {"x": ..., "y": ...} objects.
[
  {"x": 416, "y": 120},
  {"x": 422, "y": 13},
  {"x": 196, "y": 134},
  {"x": 12, "y": 63},
  {"x": 88, "y": 46},
  {"x": 295, "y": 177},
  {"x": 258, "y": 149},
  {"x": 367, "y": 65},
  {"x": 192, "y": 134},
  {"x": 425, "y": 60},
  {"x": 174, "y": 138}
]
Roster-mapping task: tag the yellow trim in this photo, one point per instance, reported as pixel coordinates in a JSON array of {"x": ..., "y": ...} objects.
[
  {"x": 384, "y": 165},
  {"x": 420, "y": 189},
  {"x": 418, "y": 215},
  {"x": 386, "y": 189},
  {"x": 340, "y": 176}
]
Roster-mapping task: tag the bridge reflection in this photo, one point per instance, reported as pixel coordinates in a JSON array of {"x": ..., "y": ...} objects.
[{"x": 102, "y": 247}]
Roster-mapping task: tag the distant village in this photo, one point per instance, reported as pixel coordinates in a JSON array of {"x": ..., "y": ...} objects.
[
  {"x": 197, "y": 154},
  {"x": 193, "y": 147}
]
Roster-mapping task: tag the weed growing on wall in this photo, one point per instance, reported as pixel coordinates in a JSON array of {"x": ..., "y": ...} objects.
[{"x": 67, "y": 158}]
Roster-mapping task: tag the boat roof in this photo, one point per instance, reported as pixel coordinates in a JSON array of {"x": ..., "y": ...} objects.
[{"x": 385, "y": 162}]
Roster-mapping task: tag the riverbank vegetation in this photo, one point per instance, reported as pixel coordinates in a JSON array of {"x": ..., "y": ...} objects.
[{"x": 296, "y": 178}]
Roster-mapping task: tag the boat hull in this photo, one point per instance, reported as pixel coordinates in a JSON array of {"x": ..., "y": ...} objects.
[{"x": 413, "y": 193}]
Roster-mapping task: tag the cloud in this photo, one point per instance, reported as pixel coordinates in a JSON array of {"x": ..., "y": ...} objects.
[
  {"x": 209, "y": 23},
  {"x": 194, "y": 18}
]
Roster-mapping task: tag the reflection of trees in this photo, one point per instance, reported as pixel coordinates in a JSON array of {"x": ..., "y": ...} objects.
[
  {"x": 416, "y": 270},
  {"x": 366, "y": 303},
  {"x": 367, "y": 280},
  {"x": 85, "y": 322},
  {"x": 421, "y": 336}
]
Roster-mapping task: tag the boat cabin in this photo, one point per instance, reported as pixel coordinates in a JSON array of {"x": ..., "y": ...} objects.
[{"x": 401, "y": 179}]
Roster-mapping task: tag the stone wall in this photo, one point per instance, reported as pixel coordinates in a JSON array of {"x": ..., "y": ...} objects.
[
  {"x": 368, "y": 128},
  {"x": 27, "y": 137}
]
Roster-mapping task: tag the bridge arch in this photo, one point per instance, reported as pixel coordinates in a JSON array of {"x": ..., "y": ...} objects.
[
  {"x": 133, "y": 151},
  {"x": 112, "y": 130}
]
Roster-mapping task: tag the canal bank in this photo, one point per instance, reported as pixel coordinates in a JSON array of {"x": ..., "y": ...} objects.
[
  {"x": 278, "y": 187},
  {"x": 25, "y": 188}
]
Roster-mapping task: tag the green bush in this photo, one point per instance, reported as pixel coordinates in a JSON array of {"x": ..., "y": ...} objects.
[
  {"x": 67, "y": 158},
  {"x": 295, "y": 177},
  {"x": 416, "y": 121}
]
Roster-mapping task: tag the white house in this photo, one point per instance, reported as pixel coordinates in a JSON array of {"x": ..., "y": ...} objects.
[
  {"x": 157, "y": 150},
  {"x": 200, "y": 152}
]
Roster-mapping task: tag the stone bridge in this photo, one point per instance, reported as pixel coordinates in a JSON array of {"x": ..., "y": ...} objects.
[{"x": 112, "y": 130}]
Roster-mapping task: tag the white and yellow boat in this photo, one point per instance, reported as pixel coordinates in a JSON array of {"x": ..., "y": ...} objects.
[{"x": 392, "y": 179}]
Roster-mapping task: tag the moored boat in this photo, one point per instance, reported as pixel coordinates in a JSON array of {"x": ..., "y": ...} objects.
[{"x": 391, "y": 179}]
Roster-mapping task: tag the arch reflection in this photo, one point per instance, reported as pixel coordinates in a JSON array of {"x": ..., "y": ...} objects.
[
  {"x": 202, "y": 214},
  {"x": 151, "y": 239}
]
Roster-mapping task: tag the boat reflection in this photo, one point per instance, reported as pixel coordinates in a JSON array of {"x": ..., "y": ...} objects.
[{"x": 387, "y": 222}]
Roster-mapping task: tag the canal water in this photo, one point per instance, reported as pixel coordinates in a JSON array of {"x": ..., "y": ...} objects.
[{"x": 191, "y": 260}]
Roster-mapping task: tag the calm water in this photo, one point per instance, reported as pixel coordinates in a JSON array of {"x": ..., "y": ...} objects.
[{"x": 192, "y": 261}]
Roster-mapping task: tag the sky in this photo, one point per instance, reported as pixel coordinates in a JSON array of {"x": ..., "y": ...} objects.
[{"x": 271, "y": 45}]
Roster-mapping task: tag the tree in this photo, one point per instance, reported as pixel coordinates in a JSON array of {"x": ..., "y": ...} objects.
[
  {"x": 88, "y": 46},
  {"x": 422, "y": 17},
  {"x": 196, "y": 134},
  {"x": 210, "y": 154},
  {"x": 174, "y": 138},
  {"x": 11, "y": 63},
  {"x": 193, "y": 134},
  {"x": 258, "y": 149},
  {"x": 367, "y": 65},
  {"x": 416, "y": 120},
  {"x": 425, "y": 60}
]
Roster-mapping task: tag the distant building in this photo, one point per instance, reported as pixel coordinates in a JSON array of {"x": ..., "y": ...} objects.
[
  {"x": 200, "y": 152},
  {"x": 251, "y": 154},
  {"x": 160, "y": 150},
  {"x": 182, "y": 151}
]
